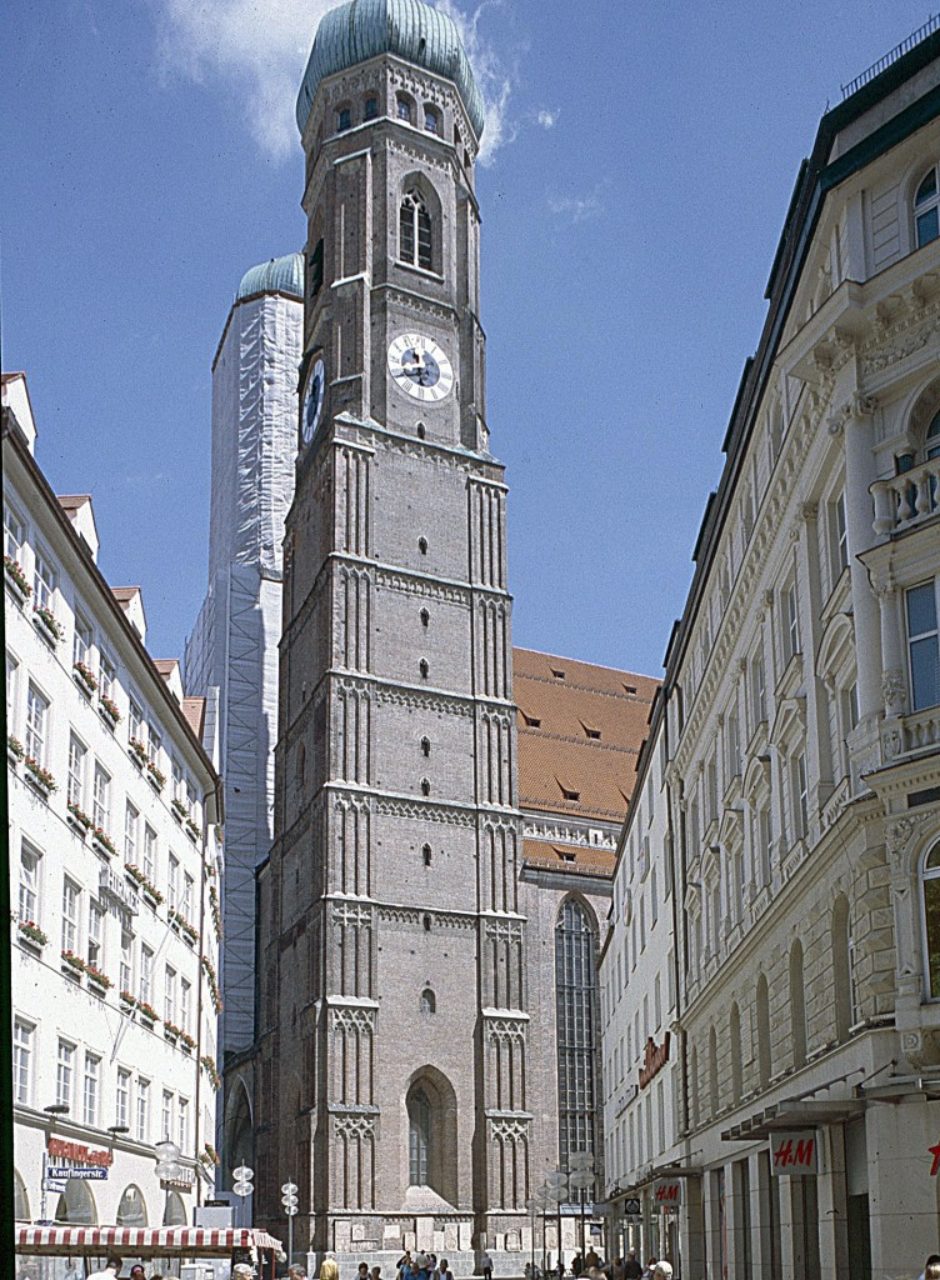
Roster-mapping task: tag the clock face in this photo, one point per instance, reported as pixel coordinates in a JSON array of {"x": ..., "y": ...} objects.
[
  {"x": 313, "y": 400},
  {"x": 420, "y": 367}
]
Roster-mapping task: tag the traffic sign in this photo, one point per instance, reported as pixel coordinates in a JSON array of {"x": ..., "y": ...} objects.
[
  {"x": 631, "y": 1206},
  {"x": 85, "y": 1172}
]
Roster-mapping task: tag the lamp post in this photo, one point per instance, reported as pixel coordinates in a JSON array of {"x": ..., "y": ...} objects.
[
  {"x": 168, "y": 1167},
  {"x": 556, "y": 1190},
  {"x": 581, "y": 1177},
  {"x": 242, "y": 1187},
  {"x": 56, "y": 1109}
]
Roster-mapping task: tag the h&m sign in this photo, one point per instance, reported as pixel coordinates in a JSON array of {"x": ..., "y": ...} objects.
[
  {"x": 667, "y": 1193},
  {"x": 795, "y": 1154}
]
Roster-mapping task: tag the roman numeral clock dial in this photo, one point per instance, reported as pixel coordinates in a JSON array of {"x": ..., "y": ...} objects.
[{"x": 419, "y": 367}]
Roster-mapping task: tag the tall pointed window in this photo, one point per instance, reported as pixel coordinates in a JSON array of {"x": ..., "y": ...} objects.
[
  {"x": 575, "y": 1000},
  {"x": 419, "y": 1138},
  {"x": 414, "y": 232}
]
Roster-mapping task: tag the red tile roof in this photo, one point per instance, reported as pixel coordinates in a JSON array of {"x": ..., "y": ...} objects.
[
  {"x": 571, "y": 859},
  {"x": 581, "y": 727}
]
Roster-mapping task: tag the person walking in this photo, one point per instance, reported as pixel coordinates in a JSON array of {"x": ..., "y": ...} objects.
[
  {"x": 329, "y": 1268},
  {"x": 112, "y": 1268},
  {"x": 486, "y": 1265},
  {"x": 560, "y": 1266},
  {"x": 443, "y": 1272},
  {"x": 631, "y": 1268},
  {"x": 577, "y": 1263}
]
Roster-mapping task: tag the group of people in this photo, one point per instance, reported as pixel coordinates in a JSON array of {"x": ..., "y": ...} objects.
[{"x": 590, "y": 1267}]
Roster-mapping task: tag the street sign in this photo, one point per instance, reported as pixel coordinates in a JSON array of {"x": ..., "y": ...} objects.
[
  {"x": 54, "y": 1184},
  {"x": 85, "y": 1172},
  {"x": 631, "y": 1206}
]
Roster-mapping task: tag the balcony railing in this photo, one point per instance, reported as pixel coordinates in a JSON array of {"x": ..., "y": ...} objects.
[{"x": 906, "y": 500}]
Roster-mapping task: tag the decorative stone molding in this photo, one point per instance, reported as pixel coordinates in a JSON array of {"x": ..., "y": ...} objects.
[
  {"x": 417, "y": 305},
  {"x": 564, "y": 834},
  {"x": 504, "y": 930},
  {"x": 415, "y": 915},
  {"x": 424, "y": 812},
  {"x": 352, "y": 914},
  {"x": 354, "y": 1125},
  {"x": 894, "y": 691},
  {"x": 351, "y": 1018},
  {"x": 506, "y": 1029},
  {"x": 513, "y": 1129}
]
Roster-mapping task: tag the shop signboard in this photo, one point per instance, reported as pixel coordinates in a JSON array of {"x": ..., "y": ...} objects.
[
  {"x": 667, "y": 1193},
  {"x": 631, "y": 1206},
  {"x": 795, "y": 1155}
]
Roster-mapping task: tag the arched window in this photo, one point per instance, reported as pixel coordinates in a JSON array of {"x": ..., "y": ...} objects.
[
  {"x": 343, "y": 119},
  {"x": 428, "y": 1002},
  {"x": 425, "y": 747},
  {"x": 432, "y": 120},
  {"x": 426, "y": 923},
  {"x": 763, "y": 1032},
  {"x": 425, "y": 786},
  {"x": 174, "y": 1213},
  {"x": 414, "y": 232},
  {"x": 301, "y": 764},
  {"x": 426, "y": 854},
  {"x": 930, "y": 903},
  {"x": 423, "y": 546},
  {"x": 797, "y": 1006},
  {"x": 734, "y": 1035},
  {"x": 20, "y": 1199},
  {"x": 575, "y": 1012},
  {"x": 132, "y": 1211},
  {"x": 425, "y": 618},
  {"x": 76, "y": 1204},
  {"x": 694, "y": 1087},
  {"x": 371, "y": 109},
  {"x": 932, "y": 438},
  {"x": 926, "y": 212},
  {"x": 404, "y": 109},
  {"x": 423, "y": 668},
  {"x": 713, "y": 1094},
  {"x": 846, "y": 1002},
  {"x": 419, "y": 1138}
]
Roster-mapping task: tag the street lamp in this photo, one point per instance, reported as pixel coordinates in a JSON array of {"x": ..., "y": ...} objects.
[
  {"x": 556, "y": 1190},
  {"x": 56, "y": 1109},
  {"x": 168, "y": 1167},
  {"x": 581, "y": 1177}
]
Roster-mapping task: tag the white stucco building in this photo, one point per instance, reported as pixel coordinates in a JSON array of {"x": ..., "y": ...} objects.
[
  {"x": 801, "y": 713},
  {"x": 115, "y": 862}
]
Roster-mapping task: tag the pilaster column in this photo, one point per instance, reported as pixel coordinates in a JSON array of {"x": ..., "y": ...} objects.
[
  {"x": 902, "y": 1196},
  {"x": 818, "y": 748}
]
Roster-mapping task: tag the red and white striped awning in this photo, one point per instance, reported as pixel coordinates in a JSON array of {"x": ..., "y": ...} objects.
[{"x": 141, "y": 1241}]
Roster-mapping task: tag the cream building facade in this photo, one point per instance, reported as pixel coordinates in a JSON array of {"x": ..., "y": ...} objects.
[
  {"x": 801, "y": 735},
  {"x": 115, "y": 867}
]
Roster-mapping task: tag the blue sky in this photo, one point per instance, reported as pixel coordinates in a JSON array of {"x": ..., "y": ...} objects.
[{"x": 641, "y": 159}]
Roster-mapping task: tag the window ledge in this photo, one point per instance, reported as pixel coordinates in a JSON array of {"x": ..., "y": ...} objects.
[{"x": 420, "y": 271}]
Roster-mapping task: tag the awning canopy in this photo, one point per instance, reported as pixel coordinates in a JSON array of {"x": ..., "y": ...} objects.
[
  {"x": 794, "y": 1113},
  {"x": 141, "y": 1241}
]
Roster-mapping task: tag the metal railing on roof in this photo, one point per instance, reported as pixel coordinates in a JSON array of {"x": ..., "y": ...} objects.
[{"x": 899, "y": 50}]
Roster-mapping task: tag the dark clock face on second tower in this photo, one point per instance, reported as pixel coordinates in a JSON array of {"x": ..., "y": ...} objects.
[
  {"x": 314, "y": 391},
  {"x": 420, "y": 367}
]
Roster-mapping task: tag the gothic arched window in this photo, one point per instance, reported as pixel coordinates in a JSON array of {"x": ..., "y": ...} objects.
[
  {"x": 414, "y": 232},
  {"x": 428, "y": 1002},
  {"x": 930, "y": 906},
  {"x": 927, "y": 209},
  {"x": 797, "y": 1006},
  {"x": 843, "y": 969},
  {"x": 419, "y": 1138},
  {"x": 575, "y": 1002},
  {"x": 763, "y": 1032}
]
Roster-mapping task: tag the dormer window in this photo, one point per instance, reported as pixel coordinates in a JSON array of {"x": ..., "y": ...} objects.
[
  {"x": 432, "y": 121},
  {"x": 371, "y": 109},
  {"x": 343, "y": 119},
  {"x": 414, "y": 232},
  {"x": 927, "y": 209}
]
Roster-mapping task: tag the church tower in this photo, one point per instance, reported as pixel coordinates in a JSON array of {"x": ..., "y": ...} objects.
[{"x": 392, "y": 1023}]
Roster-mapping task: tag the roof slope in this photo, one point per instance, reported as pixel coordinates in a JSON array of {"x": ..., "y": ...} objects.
[{"x": 581, "y": 727}]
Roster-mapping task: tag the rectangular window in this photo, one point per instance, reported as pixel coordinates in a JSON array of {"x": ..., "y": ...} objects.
[
  {"x": 106, "y": 676},
  {"x": 131, "y": 823},
  {"x": 146, "y": 973},
  {"x": 791, "y": 633},
  {"x": 95, "y": 934},
  {"x": 734, "y": 745},
  {"x": 44, "y": 582},
  {"x": 169, "y": 995},
  {"x": 758, "y": 690},
  {"x": 178, "y": 791},
  {"x": 143, "y": 1109},
  {"x": 101, "y": 799},
  {"x": 186, "y": 1000},
  {"x": 800, "y": 797},
  {"x": 135, "y": 721},
  {"x": 122, "y": 1106},
  {"x": 81, "y": 642},
  {"x": 839, "y": 534},
  {"x": 14, "y": 535},
  {"x": 37, "y": 724},
  {"x": 71, "y": 895},
  {"x": 65, "y": 1068},
  {"x": 126, "y": 973},
  {"x": 77, "y": 758},
  {"x": 22, "y": 1061},
  {"x": 182, "y": 1115},
  {"x": 173, "y": 883},
  {"x": 13, "y": 680},
  {"x": 187, "y": 903},
  {"x": 166, "y": 1114},
  {"x": 150, "y": 852},
  {"x": 28, "y": 904},
  {"x": 92, "y": 1072},
  {"x": 922, "y": 646},
  {"x": 154, "y": 743}
]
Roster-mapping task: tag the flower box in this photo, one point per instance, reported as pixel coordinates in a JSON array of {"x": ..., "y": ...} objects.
[
  {"x": 101, "y": 842},
  {"x": 40, "y": 778},
  {"x": 156, "y": 777},
  {"x": 128, "y": 1002},
  {"x": 85, "y": 679},
  {"x": 30, "y": 934},
  {"x": 170, "y": 1032},
  {"x": 186, "y": 1041},
  {"x": 179, "y": 810},
  {"x": 138, "y": 752},
  {"x": 192, "y": 830},
  {"x": 78, "y": 819},
  {"x": 208, "y": 1065},
  {"x": 15, "y": 749},
  {"x": 150, "y": 892},
  {"x": 16, "y": 578},
  {"x": 98, "y": 982},
  {"x": 72, "y": 964},
  {"x": 48, "y": 626},
  {"x": 107, "y": 709},
  {"x": 148, "y": 1014}
]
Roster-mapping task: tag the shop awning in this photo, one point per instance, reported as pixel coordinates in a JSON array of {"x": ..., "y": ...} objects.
[
  {"x": 794, "y": 1113},
  {"x": 141, "y": 1241}
]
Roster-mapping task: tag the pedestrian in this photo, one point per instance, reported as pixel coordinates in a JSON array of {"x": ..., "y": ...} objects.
[
  {"x": 296, "y": 1272},
  {"x": 137, "y": 1272},
  {"x": 328, "y": 1267},
  {"x": 560, "y": 1266},
  {"x": 663, "y": 1271},
  {"x": 404, "y": 1261},
  {"x": 631, "y": 1268},
  {"x": 648, "y": 1272},
  {"x": 376, "y": 1273},
  {"x": 363, "y": 1271},
  {"x": 443, "y": 1272},
  {"x": 931, "y": 1269},
  {"x": 591, "y": 1259},
  {"x": 112, "y": 1268},
  {"x": 577, "y": 1263},
  {"x": 486, "y": 1265}
]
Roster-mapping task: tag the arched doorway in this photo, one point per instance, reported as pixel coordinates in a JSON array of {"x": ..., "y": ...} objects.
[
  {"x": 77, "y": 1204},
  {"x": 239, "y": 1132},
  {"x": 132, "y": 1211},
  {"x": 431, "y": 1115}
]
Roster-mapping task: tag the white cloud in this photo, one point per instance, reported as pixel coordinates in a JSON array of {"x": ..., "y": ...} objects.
[
  {"x": 548, "y": 119},
  {"x": 577, "y": 208},
  {"x": 259, "y": 49}
]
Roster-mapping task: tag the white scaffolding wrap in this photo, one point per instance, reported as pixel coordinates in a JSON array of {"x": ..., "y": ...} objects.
[{"x": 233, "y": 645}]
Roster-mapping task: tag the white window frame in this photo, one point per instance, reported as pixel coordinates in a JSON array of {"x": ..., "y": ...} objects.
[
  {"x": 101, "y": 797},
  {"x": 94, "y": 943},
  {"x": 23, "y": 1042},
  {"x": 28, "y": 897},
  {"x": 45, "y": 581},
  {"x": 14, "y": 533},
  {"x": 107, "y": 675},
  {"x": 78, "y": 762},
  {"x": 131, "y": 827},
  {"x": 925, "y": 207},
  {"x": 122, "y": 1098},
  {"x": 91, "y": 1089},
  {"x": 65, "y": 1073},
  {"x": 126, "y": 964},
  {"x": 71, "y": 915},
  {"x": 149, "y": 853},
  {"x": 83, "y": 639},
  {"x": 146, "y": 973},
  {"x": 919, "y": 637},
  {"x": 170, "y": 977},
  {"x": 182, "y": 1123},
  {"x": 142, "y": 1110},
  {"x": 37, "y": 723},
  {"x": 12, "y": 690}
]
